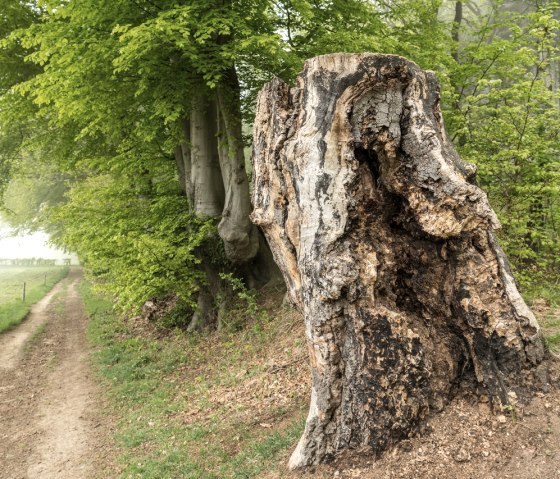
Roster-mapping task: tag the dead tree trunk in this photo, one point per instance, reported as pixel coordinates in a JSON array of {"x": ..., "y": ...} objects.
[{"x": 387, "y": 246}]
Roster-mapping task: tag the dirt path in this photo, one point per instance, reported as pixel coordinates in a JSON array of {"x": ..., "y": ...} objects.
[
  {"x": 11, "y": 342},
  {"x": 49, "y": 411}
]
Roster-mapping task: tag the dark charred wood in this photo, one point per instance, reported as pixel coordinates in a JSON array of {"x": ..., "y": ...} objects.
[{"x": 388, "y": 249}]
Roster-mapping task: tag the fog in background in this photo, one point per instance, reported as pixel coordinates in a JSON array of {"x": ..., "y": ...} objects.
[{"x": 32, "y": 245}]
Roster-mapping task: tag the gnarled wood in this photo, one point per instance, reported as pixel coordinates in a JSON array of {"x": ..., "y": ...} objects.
[
  {"x": 211, "y": 173},
  {"x": 387, "y": 247},
  {"x": 240, "y": 236}
]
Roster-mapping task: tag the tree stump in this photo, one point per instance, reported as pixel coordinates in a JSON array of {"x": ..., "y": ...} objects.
[{"x": 387, "y": 246}]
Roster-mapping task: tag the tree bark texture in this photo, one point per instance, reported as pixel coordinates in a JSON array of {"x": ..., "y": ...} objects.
[{"x": 387, "y": 246}]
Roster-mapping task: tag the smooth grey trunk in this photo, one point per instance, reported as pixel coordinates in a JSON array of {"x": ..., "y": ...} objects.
[
  {"x": 206, "y": 194},
  {"x": 206, "y": 177},
  {"x": 239, "y": 234},
  {"x": 455, "y": 29},
  {"x": 387, "y": 247},
  {"x": 211, "y": 170}
]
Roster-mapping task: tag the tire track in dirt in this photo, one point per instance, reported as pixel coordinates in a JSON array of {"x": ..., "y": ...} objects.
[
  {"x": 11, "y": 342},
  {"x": 49, "y": 402}
]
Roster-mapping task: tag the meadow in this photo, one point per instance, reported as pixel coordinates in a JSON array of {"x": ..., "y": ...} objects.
[{"x": 38, "y": 280}]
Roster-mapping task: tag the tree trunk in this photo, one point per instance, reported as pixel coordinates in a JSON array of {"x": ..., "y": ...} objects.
[
  {"x": 184, "y": 162},
  {"x": 215, "y": 297},
  {"x": 387, "y": 247},
  {"x": 206, "y": 178},
  {"x": 205, "y": 192},
  {"x": 455, "y": 29},
  {"x": 211, "y": 170},
  {"x": 240, "y": 236}
]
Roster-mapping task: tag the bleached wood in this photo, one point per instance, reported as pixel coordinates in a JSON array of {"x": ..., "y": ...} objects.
[{"x": 387, "y": 246}]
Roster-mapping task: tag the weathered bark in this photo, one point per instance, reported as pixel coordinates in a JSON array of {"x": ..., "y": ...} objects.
[{"x": 387, "y": 247}]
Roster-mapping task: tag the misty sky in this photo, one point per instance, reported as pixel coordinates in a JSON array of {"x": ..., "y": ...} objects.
[{"x": 28, "y": 246}]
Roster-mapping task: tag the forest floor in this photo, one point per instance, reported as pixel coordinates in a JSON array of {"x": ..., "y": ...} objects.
[
  {"x": 232, "y": 405},
  {"x": 50, "y": 421},
  {"x": 226, "y": 405},
  {"x": 467, "y": 441}
]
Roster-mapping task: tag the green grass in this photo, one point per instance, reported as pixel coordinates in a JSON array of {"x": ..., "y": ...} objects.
[
  {"x": 153, "y": 382},
  {"x": 548, "y": 291},
  {"x": 553, "y": 342},
  {"x": 550, "y": 324},
  {"x": 548, "y": 295},
  {"x": 13, "y": 277},
  {"x": 12, "y": 308}
]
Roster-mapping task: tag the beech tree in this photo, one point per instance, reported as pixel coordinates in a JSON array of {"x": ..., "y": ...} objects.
[
  {"x": 130, "y": 80},
  {"x": 126, "y": 86},
  {"x": 387, "y": 246},
  {"x": 503, "y": 114},
  {"x": 15, "y": 111}
]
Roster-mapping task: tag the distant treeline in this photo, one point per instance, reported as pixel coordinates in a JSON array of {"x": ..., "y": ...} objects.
[{"x": 33, "y": 262}]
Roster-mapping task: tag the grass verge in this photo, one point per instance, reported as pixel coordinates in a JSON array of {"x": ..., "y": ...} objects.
[
  {"x": 550, "y": 323},
  {"x": 14, "y": 312},
  {"x": 545, "y": 303},
  {"x": 206, "y": 407},
  {"x": 548, "y": 292}
]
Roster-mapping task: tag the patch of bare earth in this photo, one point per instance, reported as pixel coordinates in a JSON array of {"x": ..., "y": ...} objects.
[{"x": 50, "y": 424}]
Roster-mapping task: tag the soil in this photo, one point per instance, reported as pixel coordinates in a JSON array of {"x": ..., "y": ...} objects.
[
  {"x": 50, "y": 420},
  {"x": 468, "y": 442},
  {"x": 51, "y": 424}
]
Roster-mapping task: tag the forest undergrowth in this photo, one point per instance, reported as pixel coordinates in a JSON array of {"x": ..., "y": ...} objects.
[{"x": 226, "y": 404}]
